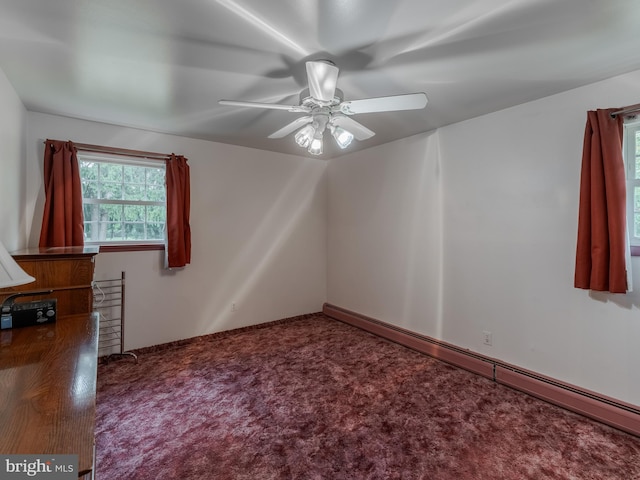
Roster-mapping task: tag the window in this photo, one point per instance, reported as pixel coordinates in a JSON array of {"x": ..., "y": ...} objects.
[
  {"x": 631, "y": 150},
  {"x": 123, "y": 200}
]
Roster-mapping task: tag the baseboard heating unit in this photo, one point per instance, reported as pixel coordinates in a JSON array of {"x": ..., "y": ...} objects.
[{"x": 607, "y": 410}]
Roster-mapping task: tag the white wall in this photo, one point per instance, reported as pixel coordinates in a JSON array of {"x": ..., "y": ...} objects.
[
  {"x": 13, "y": 230},
  {"x": 511, "y": 208},
  {"x": 258, "y": 223},
  {"x": 509, "y": 186},
  {"x": 385, "y": 233}
]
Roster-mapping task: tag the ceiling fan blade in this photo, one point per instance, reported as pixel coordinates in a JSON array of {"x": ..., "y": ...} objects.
[
  {"x": 272, "y": 106},
  {"x": 292, "y": 127},
  {"x": 410, "y": 101},
  {"x": 360, "y": 132},
  {"x": 322, "y": 77}
]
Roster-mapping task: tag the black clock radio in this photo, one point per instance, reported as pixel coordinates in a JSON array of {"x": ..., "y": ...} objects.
[{"x": 24, "y": 314}]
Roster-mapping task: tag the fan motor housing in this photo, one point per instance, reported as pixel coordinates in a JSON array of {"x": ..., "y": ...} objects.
[{"x": 308, "y": 101}]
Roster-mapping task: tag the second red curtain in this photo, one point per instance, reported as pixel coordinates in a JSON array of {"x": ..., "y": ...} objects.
[
  {"x": 601, "y": 248},
  {"x": 178, "y": 247}
]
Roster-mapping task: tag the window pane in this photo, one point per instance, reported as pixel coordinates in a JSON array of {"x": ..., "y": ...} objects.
[
  {"x": 637, "y": 155},
  {"x": 134, "y": 231},
  {"x": 133, "y": 192},
  {"x": 113, "y": 231},
  {"x": 89, "y": 170},
  {"x": 91, "y": 222},
  {"x": 134, "y": 213},
  {"x": 636, "y": 199},
  {"x": 117, "y": 223},
  {"x": 86, "y": 212},
  {"x": 110, "y": 191},
  {"x": 89, "y": 189},
  {"x": 110, "y": 172},
  {"x": 156, "y": 193},
  {"x": 89, "y": 231},
  {"x": 155, "y": 176},
  {"x": 156, "y": 214},
  {"x": 155, "y": 231},
  {"x": 127, "y": 183},
  {"x": 111, "y": 213},
  {"x": 636, "y": 225},
  {"x": 134, "y": 174}
]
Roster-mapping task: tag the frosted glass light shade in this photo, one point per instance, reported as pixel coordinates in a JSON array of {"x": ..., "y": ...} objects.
[
  {"x": 10, "y": 272},
  {"x": 343, "y": 137},
  {"x": 305, "y": 136},
  {"x": 316, "y": 146}
]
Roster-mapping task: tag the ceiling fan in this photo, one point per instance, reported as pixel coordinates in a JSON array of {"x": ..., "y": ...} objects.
[{"x": 325, "y": 108}]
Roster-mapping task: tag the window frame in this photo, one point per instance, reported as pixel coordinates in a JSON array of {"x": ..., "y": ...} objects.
[
  {"x": 631, "y": 130},
  {"x": 125, "y": 160}
]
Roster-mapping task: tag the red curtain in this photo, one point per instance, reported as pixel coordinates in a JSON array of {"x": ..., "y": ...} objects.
[
  {"x": 62, "y": 222},
  {"x": 600, "y": 253},
  {"x": 178, "y": 248}
]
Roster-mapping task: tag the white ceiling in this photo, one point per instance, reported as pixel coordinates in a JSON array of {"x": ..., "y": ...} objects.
[{"x": 162, "y": 65}]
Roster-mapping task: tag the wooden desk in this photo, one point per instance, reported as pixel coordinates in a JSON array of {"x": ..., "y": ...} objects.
[{"x": 48, "y": 389}]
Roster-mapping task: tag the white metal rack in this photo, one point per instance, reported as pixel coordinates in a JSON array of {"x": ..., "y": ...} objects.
[{"x": 108, "y": 300}]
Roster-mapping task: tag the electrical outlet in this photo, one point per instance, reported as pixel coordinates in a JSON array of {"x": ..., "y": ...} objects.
[
  {"x": 487, "y": 338},
  {"x": 233, "y": 307}
]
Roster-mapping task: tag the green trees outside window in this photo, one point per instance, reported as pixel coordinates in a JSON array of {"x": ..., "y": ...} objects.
[{"x": 123, "y": 202}]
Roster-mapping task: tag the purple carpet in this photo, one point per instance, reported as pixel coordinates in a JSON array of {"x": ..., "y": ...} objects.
[{"x": 313, "y": 398}]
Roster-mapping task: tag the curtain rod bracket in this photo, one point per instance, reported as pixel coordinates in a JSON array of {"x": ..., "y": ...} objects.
[{"x": 631, "y": 109}]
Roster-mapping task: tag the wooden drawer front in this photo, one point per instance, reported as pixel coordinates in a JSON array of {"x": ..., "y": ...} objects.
[
  {"x": 67, "y": 273},
  {"x": 56, "y": 273}
]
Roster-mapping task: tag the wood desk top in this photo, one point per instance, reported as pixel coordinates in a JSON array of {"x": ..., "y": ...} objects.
[
  {"x": 48, "y": 388},
  {"x": 55, "y": 252}
]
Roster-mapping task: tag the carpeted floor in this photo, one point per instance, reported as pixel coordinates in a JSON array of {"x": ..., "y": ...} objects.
[{"x": 312, "y": 398}]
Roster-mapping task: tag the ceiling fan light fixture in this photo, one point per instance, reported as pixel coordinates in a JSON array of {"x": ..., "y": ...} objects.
[
  {"x": 324, "y": 107},
  {"x": 342, "y": 137},
  {"x": 320, "y": 122},
  {"x": 304, "y": 136},
  {"x": 316, "y": 146}
]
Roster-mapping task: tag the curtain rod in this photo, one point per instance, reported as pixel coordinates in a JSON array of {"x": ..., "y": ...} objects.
[
  {"x": 86, "y": 147},
  {"x": 626, "y": 110}
]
